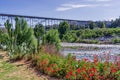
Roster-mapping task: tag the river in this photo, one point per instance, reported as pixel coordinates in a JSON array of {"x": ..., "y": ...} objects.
[{"x": 88, "y": 51}]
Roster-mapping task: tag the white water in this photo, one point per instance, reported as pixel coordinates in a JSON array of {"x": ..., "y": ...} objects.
[{"x": 88, "y": 50}]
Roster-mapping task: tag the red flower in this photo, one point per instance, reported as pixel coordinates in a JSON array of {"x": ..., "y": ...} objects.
[
  {"x": 86, "y": 60},
  {"x": 88, "y": 78},
  {"x": 78, "y": 70},
  {"x": 70, "y": 73},
  {"x": 48, "y": 69},
  {"x": 83, "y": 69},
  {"x": 95, "y": 59},
  {"x": 53, "y": 71},
  {"x": 94, "y": 70},
  {"x": 84, "y": 75},
  {"x": 91, "y": 75},
  {"x": 67, "y": 76},
  {"x": 113, "y": 70},
  {"x": 100, "y": 77}
]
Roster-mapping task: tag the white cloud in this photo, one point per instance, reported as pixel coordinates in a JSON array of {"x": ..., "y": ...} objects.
[
  {"x": 65, "y": 7},
  {"x": 100, "y": 0},
  {"x": 76, "y": 5}
]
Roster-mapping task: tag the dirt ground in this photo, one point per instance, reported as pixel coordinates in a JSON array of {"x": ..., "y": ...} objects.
[{"x": 19, "y": 70}]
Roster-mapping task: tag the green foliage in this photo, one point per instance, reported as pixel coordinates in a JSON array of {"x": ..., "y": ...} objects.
[
  {"x": 90, "y": 35},
  {"x": 64, "y": 27},
  {"x": 21, "y": 40},
  {"x": 92, "y": 25},
  {"x": 39, "y": 32},
  {"x": 52, "y": 37},
  {"x": 70, "y": 37},
  {"x": 116, "y": 40},
  {"x": 0, "y": 39},
  {"x": 8, "y": 26},
  {"x": 115, "y": 23},
  {"x": 21, "y": 31},
  {"x": 9, "y": 36},
  {"x": 101, "y": 24},
  {"x": 31, "y": 41},
  {"x": 4, "y": 40}
]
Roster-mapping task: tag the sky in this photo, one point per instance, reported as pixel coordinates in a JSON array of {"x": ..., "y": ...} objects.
[{"x": 68, "y": 9}]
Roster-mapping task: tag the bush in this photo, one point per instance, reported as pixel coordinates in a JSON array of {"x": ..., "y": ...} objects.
[
  {"x": 64, "y": 27},
  {"x": 115, "y": 40},
  {"x": 74, "y": 35},
  {"x": 39, "y": 31},
  {"x": 52, "y": 38},
  {"x": 3, "y": 40},
  {"x": 21, "y": 40},
  {"x": 70, "y": 37}
]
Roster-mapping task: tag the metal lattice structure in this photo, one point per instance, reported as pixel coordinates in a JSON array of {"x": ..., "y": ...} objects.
[{"x": 47, "y": 22}]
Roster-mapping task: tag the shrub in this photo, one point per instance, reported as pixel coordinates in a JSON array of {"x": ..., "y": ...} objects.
[
  {"x": 74, "y": 35},
  {"x": 64, "y": 27},
  {"x": 70, "y": 37},
  {"x": 39, "y": 31},
  {"x": 52, "y": 38},
  {"x": 4, "y": 40},
  {"x": 21, "y": 40},
  {"x": 115, "y": 40}
]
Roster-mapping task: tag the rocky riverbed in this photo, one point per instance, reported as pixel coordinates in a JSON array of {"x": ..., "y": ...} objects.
[{"x": 82, "y": 51}]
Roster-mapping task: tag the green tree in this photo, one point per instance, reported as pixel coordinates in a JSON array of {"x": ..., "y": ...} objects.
[
  {"x": 52, "y": 37},
  {"x": 70, "y": 37},
  {"x": 64, "y": 27},
  {"x": 0, "y": 38},
  {"x": 92, "y": 25},
  {"x": 101, "y": 24},
  {"x": 21, "y": 40},
  {"x": 31, "y": 41},
  {"x": 10, "y": 42},
  {"x": 115, "y": 23},
  {"x": 39, "y": 32}
]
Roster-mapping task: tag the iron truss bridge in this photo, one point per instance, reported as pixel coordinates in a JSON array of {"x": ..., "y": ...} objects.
[{"x": 47, "y": 22}]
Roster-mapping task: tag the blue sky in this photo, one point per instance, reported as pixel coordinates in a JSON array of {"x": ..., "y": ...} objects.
[{"x": 70, "y": 9}]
